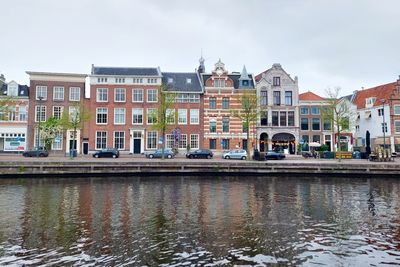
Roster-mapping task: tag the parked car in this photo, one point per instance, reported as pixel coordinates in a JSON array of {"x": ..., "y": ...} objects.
[
  {"x": 235, "y": 154},
  {"x": 200, "y": 153},
  {"x": 274, "y": 155},
  {"x": 168, "y": 153},
  {"x": 41, "y": 152},
  {"x": 107, "y": 153}
]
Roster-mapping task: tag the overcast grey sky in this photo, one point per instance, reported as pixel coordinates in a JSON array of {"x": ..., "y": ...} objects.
[{"x": 325, "y": 43}]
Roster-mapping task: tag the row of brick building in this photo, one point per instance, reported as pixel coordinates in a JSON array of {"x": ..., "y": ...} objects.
[{"x": 121, "y": 103}]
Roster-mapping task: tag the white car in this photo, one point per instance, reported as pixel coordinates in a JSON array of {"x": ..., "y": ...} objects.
[{"x": 235, "y": 154}]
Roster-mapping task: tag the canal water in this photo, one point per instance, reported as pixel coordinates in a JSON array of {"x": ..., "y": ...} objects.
[{"x": 197, "y": 221}]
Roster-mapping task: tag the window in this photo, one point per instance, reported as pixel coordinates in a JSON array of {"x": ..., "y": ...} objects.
[
  {"x": 194, "y": 116},
  {"x": 305, "y": 138},
  {"x": 396, "y": 110},
  {"x": 264, "y": 118},
  {"x": 188, "y": 80},
  {"x": 170, "y": 116},
  {"x": 194, "y": 141},
  {"x": 357, "y": 128},
  {"x": 73, "y": 114},
  {"x": 151, "y": 140},
  {"x": 225, "y": 125},
  {"x": 152, "y": 80},
  {"x": 316, "y": 124},
  {"x": 169, "y": 140},
  {"x": 315, "y": 111},
  {"x": 282, "y": 120},
  {"x": 380, "y": 112},
  {"x": 290, "y": 118},
  {"x": 397, "y": 126},
  {"x": 219, "y": 83},
  {"x": 137, "y": 95},
  {"x": 244, "y": 127},
  {"x": 182, "y": 116},
  {"x": 41, "y": 91},
  {"x": 58, "y": 93},
  {"x": 276, "y": 81},
  {"x": 213, "y": 126},
  {"x": 225, "y": 102},
  {"x": 275, "y": 118},
  {"x": 277, "y": 98},
  {"x": 40, "y": 113},
  {"x": 225, "y": 144},
  {"x": 57, "y": 142},
  {"x": 74, "y": 94},
  {"x": 304, "y": 124},
  {"x": 12, "y": 90},
  {"x": 264, "y": 98},
  {"x": 316, "y": 138},
  {"x": 151, "y": 115},
  {"x": 152, "y": 95},
  {"x": 288, "y": 98},
  {"x": 12, "y": 114},
  {"x": 187, "y": 98},
  {"x": 170, "y": 80},
  {"x": 213, "y": 103},
  {"x": 120, "y": 95},
  {"x": 57, "y": 112},
  {"x": 119, "y": 115},
  {"x": 182, "y": 141},
  {"x": 101, "y": 115},
  {"x": 327, "y": 125},
  {"x": 102, "y": 95},
  {"x": 304, "y": 111},
  {"x": 213, "y": 144},
  {"x": 101, "y": 140},
  {"x": 119, "y": 80},
  {"x": 384, "y": 127},
  {"x": 137, "y": 116},
  {"x": 102, "y": 80},
  {"x": 119, "y": 140},
  {"x": 22, "y": 113},
  {"x": 137, "y": 80}
]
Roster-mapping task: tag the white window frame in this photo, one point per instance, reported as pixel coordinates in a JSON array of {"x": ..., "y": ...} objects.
[
  {"x": 156, "y": 95},
  {"x": 101, "y": 92},
  {"x": 97, "y": 144},
  {"x": 169, "y": 112},
  {"x": 58, "y": 93},
  {"x": 182, "y": 116},
  {"x": 151, "y": 135},
  {"x": 194, "y": 139},
  {"x": 182, "y": 141},
  {"x": 134, "y": 112},
  {"x": 22, "y": 113},
  {"x": 398, "y": 109},
  {"x": 122, "y": 115},
  {"x": 397, "y": 127},
  {"x": 120, "y": 92},
  {"x": 122, "y": 138},
  {"x": 97, "y": 113},
  {"x": 42, "y": 113},
  {"x": 41, "y": 90},
  {"x": 136, "y": 92},
  {"x": 195, "y": 116},
  {"x": 61, "y": 111},
  {"x": 149, "y": 111},
  {"x": 74, "y": 94}
]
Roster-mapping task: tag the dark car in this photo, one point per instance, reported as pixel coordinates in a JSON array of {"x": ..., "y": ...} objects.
[
  {"x": 106, "y": 153},
  {"x": 168, "y": 153},
  {"x": 41, "y": 152},
  {"x": 200, "y": 153},
  {"x": 274, "y": 155}
]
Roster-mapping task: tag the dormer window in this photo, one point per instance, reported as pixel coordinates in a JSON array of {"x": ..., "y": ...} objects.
[
  {"x": 12, "y": 90},
  {"x": 370, "y": 101},
  {"x": 188, "y": 80},
  {"x": 219, "y": 83},
  {"x": 170, "y": 80}
]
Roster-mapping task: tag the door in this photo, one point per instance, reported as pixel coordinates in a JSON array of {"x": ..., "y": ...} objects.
[
  {"x": 85, "y": 148},
  {"x": 72, "y": 144},
  {"x": 136, "y": 146}
]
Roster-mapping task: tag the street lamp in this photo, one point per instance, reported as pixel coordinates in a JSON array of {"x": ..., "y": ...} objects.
[
  {"x": 383, "y": 123},
  {"x": 40, "y": 98}
]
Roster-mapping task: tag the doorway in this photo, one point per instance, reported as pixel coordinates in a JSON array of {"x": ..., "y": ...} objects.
[
  {"x": 85, "y": 148},
  {"x": 136, "y": 146}
]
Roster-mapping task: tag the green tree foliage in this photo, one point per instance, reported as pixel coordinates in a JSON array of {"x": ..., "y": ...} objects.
[
  {"x": 248, "y": 114},
  {"x": 6, "y": 103},
  {"x": 49, "y": 130},
  {"x": 164, "y": 115}
]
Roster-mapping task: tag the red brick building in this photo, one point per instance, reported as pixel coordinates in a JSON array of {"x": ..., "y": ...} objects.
[{"x": 50, "y": 95}]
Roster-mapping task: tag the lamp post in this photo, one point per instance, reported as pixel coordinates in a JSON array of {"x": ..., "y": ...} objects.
[
  {"x": 40, "y": 98},
  {"x": 383, "y": 123}
]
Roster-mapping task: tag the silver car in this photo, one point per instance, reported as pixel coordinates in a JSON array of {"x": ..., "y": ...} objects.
[{"x": 235, "y": 154}]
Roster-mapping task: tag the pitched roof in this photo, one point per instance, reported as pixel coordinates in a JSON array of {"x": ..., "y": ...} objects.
[
  {"x": 379, "y": 92},
  {"x": 310, "y": 96},
  {"x": 178, "y": 82},
  {"x": 125, "y": 71},
  {"x": 235, "y": 78}
]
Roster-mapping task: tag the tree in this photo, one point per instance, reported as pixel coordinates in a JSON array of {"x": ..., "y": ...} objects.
[
  {"x": 248, "y": 114},
  {"x": 165, "y": 115},
  {"x": 338, "y": 113},
  {"x": 50, "y": 129},
  {"x": 6, "y": 104},
  {"x": 74, "y": 118}
]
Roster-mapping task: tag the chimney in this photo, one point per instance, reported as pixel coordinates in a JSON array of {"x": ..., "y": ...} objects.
[{"x": 2, "y": 80}]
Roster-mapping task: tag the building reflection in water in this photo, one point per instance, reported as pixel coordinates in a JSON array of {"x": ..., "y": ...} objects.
[{"x": 151, "y": 221}]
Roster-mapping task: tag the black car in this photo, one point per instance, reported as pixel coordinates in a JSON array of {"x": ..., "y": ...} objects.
[
  {"x": 106, "y": 153},
  {"x": 41, "y": 152},
  {"x": 274, "y": 155},
  {"x": 200, "y": 153}
]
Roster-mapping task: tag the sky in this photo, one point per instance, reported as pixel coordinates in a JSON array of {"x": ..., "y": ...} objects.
[{"x": 350, "y": 44}]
